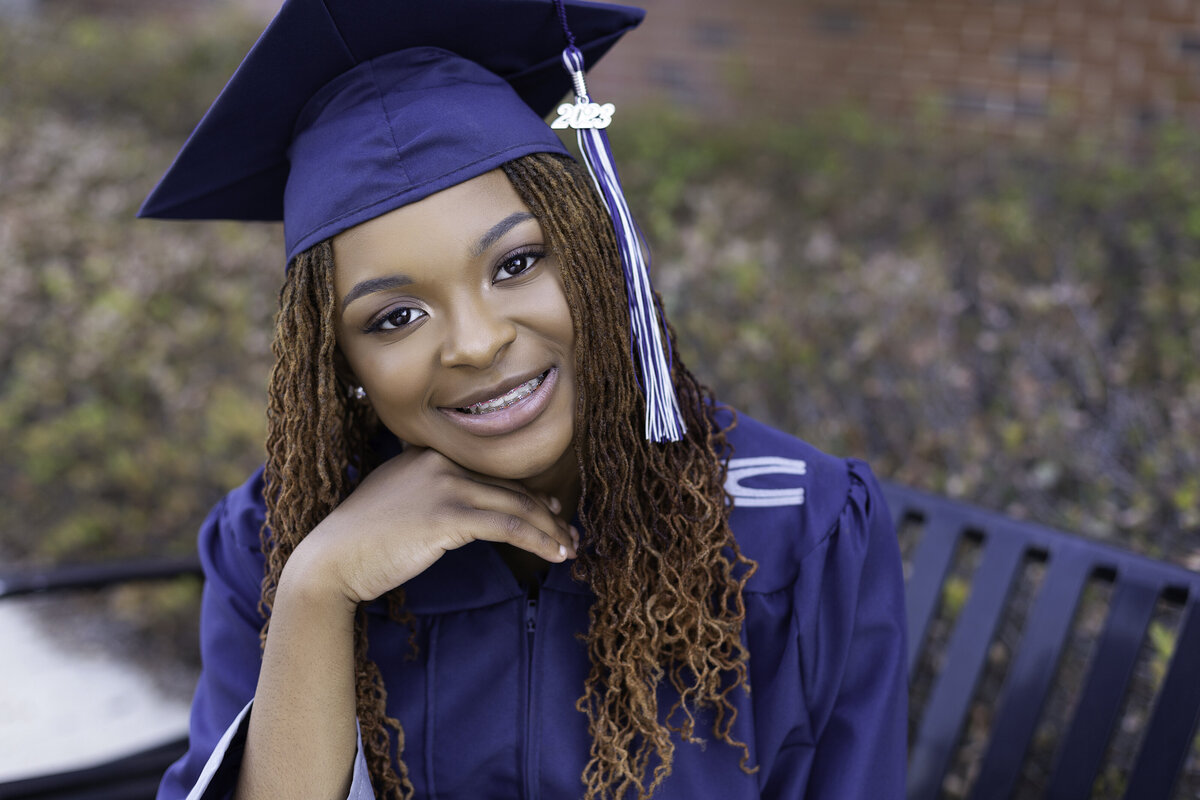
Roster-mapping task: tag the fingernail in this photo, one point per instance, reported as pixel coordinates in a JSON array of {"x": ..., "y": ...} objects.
[
  {"x": 555, "y": 505},
  {"x": 575, "y": 536},
  {"x": 562, "y": 551}
]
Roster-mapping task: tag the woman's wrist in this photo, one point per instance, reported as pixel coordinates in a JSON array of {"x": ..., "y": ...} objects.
[{"x": 311, "y": 582}]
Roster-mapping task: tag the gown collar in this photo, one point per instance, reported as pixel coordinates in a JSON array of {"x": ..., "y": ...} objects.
[{"x": 475, "y": 576}]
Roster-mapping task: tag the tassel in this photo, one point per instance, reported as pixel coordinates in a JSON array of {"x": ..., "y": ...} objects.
[{"x": 664, "y": 422}]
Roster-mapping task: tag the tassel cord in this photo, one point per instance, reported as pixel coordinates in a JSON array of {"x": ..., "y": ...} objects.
[{"x": 664, "y": 422}]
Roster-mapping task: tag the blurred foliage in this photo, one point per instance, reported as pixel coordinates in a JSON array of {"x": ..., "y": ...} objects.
[
  {"x": 160, "y": 70},
  {"x": 1007, "y": 323},
  {"x": 133, "y": 355}
]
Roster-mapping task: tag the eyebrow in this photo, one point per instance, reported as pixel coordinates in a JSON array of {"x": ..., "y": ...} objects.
[
  {"x": 493, "y": 234},
  {"x": 499, "y": 229},
  {"x": 373, "y": 285}
]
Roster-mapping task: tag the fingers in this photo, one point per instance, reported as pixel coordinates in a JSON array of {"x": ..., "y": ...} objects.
[
  {"x": 509, "y": 513},
  {"x": 499, "y": 527},
  {"x": 461, "y": 505},
  {"x": 555, "y": 507}
]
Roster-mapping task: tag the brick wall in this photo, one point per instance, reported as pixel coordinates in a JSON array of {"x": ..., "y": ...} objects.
[{"x": 1108, "y": 65}]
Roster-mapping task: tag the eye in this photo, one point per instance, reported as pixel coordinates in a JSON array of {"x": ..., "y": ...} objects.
[
  {"x": 517, "y": 264},
  {"x": 395, "y": 319}
]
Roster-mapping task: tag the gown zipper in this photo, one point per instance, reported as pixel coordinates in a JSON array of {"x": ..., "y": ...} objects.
[
  {"x": 530, "y": 623},
  {"x": 531, "y": 610}
]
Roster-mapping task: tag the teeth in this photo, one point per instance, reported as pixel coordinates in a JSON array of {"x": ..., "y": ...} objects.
[{"x": 507, "y": 399}]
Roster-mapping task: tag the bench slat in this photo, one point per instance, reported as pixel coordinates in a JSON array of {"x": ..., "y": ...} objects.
[
  {"x": 132, "y": 777},
  {"x": 1082, "y": 752},
  {"x": 965, "y": 657},
  {"x": 1031, "y": 675},
  {"x": 1171, "y": 729},
  {"x": 931, "y": 561}
]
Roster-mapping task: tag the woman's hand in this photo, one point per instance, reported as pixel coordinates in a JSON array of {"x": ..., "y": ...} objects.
[
  {"x": 400, "y": 519},
  {"x": 408, "y": 512}
]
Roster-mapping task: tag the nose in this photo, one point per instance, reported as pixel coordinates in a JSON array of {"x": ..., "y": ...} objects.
[{"x": 476, "y": 335}]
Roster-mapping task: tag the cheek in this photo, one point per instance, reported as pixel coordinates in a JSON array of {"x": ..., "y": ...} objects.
[
  {"x": 396, "y": 379},
  {"x": 555, "y": 315},
  {"x": 401, "y": 404}
]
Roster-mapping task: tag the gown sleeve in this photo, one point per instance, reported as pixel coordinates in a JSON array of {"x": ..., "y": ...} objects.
[
  {"x": 229, "y": 649},
  {"x": 849, "y": 621}
]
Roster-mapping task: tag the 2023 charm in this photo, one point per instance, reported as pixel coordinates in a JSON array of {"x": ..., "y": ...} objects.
[{"x": 584, "y": 115}]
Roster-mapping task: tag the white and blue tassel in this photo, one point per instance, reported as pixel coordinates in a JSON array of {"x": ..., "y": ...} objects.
[{"x": 664, "y": 423}]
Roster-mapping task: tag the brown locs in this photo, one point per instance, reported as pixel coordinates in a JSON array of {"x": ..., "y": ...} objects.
[{"x": 657, "y": 551}]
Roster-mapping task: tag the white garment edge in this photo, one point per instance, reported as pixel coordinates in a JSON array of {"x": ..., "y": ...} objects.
[
  {"x": 741, "y": 469},
  {"x": 360, "y": 781}
]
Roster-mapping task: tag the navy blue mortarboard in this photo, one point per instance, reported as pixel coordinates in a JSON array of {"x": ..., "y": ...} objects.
[{"x": 346, "y": 109}]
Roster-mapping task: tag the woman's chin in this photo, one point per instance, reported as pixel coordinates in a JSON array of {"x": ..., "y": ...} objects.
[{"x": 544, "y": 463}]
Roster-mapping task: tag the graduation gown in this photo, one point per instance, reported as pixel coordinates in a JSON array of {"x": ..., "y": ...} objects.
[{"x": 488, "y": 706}]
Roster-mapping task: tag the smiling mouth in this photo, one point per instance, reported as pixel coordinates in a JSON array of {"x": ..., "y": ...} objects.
[{"x": 514, "y": 395}]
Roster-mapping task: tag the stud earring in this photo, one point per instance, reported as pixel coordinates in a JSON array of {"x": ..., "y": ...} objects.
[{"x": 360, "y": 393}]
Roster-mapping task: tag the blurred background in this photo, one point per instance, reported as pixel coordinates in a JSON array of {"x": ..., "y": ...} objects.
[{"x": 959, "y": 239}]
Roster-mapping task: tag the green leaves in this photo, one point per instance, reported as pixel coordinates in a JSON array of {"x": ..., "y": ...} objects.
[
  {"x": 133, "y": 354},
  {"x": 1012, "y": 324}
]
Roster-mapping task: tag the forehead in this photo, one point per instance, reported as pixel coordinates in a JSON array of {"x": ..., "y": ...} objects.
[{"x": 447, "y": 224}]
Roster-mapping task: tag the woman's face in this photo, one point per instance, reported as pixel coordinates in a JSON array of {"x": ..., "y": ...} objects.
[{"x": 452, "y": 316}]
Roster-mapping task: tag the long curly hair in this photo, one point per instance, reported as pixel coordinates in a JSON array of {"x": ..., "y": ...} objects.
[{"x": 657, "y": 549}]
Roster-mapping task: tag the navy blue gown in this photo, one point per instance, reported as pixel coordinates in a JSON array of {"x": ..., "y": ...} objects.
[{"x": 488, "y": 706}]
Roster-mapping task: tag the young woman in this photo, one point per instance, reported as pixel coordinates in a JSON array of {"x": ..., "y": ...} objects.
[{"x": 464, "y": 571}]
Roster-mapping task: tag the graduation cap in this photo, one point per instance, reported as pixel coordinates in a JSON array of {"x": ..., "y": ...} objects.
[{"x": 346, "y": 109}]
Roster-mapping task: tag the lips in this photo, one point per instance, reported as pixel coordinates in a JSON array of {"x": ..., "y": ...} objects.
[
  {"x": 498, "y": 410},
  {"x": 514, "y": 395}
]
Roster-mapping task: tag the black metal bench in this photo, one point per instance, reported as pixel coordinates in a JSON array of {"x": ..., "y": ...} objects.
[
  {"x": 1070, "y": 562},
  {"x": 131, "y": 777},
  {"x": 1137, "y": 585}
]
